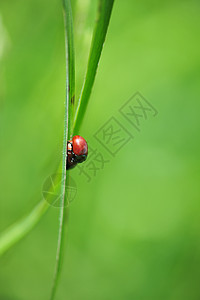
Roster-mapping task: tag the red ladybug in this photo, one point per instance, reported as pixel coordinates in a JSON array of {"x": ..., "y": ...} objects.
[{"x": 77, "y": 151}]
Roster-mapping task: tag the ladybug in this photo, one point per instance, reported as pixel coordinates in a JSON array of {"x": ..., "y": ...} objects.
[{"x": 77, "y": 151}]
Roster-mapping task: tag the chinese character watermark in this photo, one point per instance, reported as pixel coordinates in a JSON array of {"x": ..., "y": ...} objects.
[
  {"x": 113, "y": 136},
  {"x": 137, "y": 109}
]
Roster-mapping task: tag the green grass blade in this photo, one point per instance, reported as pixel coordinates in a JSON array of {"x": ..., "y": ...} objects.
[
  {"x": 19, "y": 229},
  {"x": 86, "y": 12},
  {"x": 70, "y": 68},
  {"x": 99, "y": 34},
  {"x": 24, "y": 225},
  {"x": 68, "y": 130}
]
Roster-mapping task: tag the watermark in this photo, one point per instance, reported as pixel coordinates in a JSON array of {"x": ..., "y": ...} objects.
[
  {"x": 115, "y": 134},
  {"x": 137, "y": 110},
  {"x": 53, "y": 192},
  {"x": 94, "y": 163}
]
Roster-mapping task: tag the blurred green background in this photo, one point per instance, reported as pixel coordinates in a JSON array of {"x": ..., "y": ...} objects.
[{"x": 134, "y": 230}]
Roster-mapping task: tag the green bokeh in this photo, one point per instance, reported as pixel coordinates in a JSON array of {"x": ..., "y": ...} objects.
[{"x": 134, "y": 230}]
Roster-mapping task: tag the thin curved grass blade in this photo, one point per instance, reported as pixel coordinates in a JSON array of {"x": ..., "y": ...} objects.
[
  {"x": 68, "y": 130},
  {"x": 14, "y": 233},
  {"x": 19, "y": 229},
  {"x": 99, "y": 35},
  {"x": 84, "y": 14}
]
